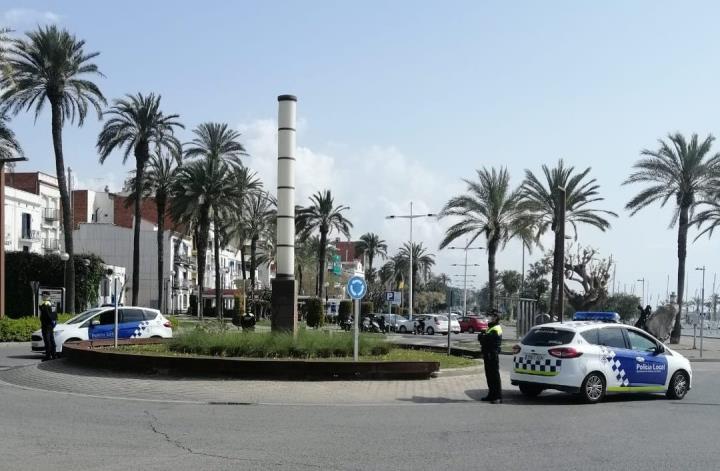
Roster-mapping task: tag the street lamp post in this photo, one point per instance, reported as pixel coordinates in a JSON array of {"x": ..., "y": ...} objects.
[
  {"x": 465, "y": 265},
  {"x": 702, "y": 309},
  {"x": 64, "y": 257},
  {"x": 411, "y": 216},
  {"x": 643, "y": 290}
]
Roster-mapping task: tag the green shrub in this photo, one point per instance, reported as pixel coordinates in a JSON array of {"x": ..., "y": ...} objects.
[
  {"x": 306, "y": 344},
  {"x": 174, "y": 321},
  {"x": 20, "y": 330},
  {"x": 315, "y": 316},
  {"x": 344, "y": 311},
  {"x": 366, "y": 308}
]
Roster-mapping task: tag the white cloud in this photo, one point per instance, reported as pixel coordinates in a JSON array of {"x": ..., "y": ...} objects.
[
  {"x": 374, "y": 181},
  {"x": 15, "y": 17}
]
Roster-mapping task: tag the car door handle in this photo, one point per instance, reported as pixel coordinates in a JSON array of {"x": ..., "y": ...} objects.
[{"x": 640, "y": 359}]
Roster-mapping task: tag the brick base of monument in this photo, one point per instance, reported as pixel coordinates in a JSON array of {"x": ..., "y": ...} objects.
[{"x": 284, "y": 305}]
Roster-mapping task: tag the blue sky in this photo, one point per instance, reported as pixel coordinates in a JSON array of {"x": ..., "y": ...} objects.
[{"x": 400, "y": 100}]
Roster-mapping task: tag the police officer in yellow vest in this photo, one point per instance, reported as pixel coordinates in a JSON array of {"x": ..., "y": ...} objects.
[
  {"x": 490, "y": 342},
  {"x": 48, "y": 319}
]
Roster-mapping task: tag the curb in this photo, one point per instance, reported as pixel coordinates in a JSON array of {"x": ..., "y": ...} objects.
[
  {"x": 467, "y": 371},
  {"x": 92, "y": 353}
]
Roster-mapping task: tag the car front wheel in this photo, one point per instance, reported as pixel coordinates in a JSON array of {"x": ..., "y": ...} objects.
[
  {"x": 402, "y": 329},
  {"x": 430, "y": 331},
  {"x": 470, "y": 330},
  {"x": 679, "y": 384},
  {"x": 592, "y": 390}
]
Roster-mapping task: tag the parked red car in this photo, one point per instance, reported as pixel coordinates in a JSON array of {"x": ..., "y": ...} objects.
[{"x": 472, "y": 324}]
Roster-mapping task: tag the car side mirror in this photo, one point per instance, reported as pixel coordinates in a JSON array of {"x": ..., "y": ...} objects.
[
  {"x": 94, "y": 322},
  {"x": 659, "y": 349}
]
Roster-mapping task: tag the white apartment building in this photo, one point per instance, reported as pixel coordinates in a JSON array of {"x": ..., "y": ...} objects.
[{"x": 32, "y": 213}]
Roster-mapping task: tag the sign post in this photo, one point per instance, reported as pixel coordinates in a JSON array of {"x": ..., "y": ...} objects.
[{"x": 357, "y": 289}]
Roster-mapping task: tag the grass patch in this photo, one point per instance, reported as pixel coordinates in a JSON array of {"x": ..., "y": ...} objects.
[{"x": 306, "y": 344}]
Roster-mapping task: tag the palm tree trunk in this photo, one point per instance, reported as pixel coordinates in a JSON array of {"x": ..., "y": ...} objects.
[
  {"x": 492, "y": 279},
  {"x": 369, "y": 267},
  {"x": 242, "y": 257},
  {"x": 141, "y": 153},
  {"x": 161, "y": 250},
  {"x": 218, "y": 287},
  {"x": 558, "y": 255},
  {"x": 67, "y": 222},
  {"x": 253, "y": 251},
  {"x": 321, "y": 264},
  {"x": 682, "y": 254},
  {"x": 202, "y": 237}
]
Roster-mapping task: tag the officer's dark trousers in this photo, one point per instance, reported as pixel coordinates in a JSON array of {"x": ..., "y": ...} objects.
[
  {"x": 49, "y": 340},
  {"x": 492, "y": 374}
]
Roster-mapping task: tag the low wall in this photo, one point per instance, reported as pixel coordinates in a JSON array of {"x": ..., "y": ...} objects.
[{"x": 96, "y": 354}]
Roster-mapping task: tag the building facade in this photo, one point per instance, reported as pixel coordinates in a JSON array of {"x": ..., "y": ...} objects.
[{"x": 32, "y": 213}]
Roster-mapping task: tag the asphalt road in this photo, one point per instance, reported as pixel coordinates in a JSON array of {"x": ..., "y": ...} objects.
[{"x": 45, "y": 430}]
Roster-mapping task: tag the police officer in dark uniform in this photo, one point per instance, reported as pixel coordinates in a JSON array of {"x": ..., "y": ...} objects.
[
  {"x": 490, "y": 342},
  {"x": 48, "y": 319}
]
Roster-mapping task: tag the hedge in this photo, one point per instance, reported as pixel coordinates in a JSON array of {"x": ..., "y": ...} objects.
[
  {"x": 344, "y": 311},
  {"x": 366, "y": 308},
  {"x": 315, "y": 316},
  {"x": 20, "y": 330}
]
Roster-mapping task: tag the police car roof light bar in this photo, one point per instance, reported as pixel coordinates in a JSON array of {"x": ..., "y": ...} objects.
[{"x": 597, "y": 316}]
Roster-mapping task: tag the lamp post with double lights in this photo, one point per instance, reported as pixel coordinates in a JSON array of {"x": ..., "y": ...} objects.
[
  {"x": 411, "y": 217},
  {"x": 465, "y": 265}
]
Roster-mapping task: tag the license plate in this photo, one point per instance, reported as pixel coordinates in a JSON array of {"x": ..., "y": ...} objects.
[{"x": 533, "y": 357}]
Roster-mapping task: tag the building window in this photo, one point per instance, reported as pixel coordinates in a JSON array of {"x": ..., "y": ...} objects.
[
  {"x": 26, "y": 232},
  {"x": 26, "y": 248}
]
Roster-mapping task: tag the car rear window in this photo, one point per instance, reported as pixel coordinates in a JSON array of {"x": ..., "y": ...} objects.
[{"x": 548, "y": 337}]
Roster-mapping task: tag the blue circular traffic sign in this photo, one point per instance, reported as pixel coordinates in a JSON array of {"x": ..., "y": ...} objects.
[{"x": 356, "y": 287}]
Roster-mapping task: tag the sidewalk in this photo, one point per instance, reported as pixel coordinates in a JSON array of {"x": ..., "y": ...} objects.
[{"x": 711, "y": 348}]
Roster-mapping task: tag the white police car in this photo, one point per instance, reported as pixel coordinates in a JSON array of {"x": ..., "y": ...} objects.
[
  {"x": 99, "y": 323},
  {"x": 594, "y": 355}
]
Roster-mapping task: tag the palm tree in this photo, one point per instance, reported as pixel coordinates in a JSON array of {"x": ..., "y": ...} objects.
[
  {"x": 305, "y": 255},
  {"x": 683, "y": 171},
  {"x": 543, "y": 201},
  {"x": 710, "y": 214},
  {"x": 258, "y": 214},
  {"x": 52, "y": 65},
  {"x": 490, "y": 209},
  {"x": 198, "y": 187},
  {"x": 158, "y": 183},
  {"x": 9, "y": 146},
  {"x": 422, "y": 262},
  {"x": 135, "y": 123},
  {"x": 372, "y": 246},
  {"x": 324, "y": 216},
  {"x": 220, "y": 147}
]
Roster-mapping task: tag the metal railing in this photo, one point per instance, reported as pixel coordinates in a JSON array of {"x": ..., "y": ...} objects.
[
  {"x": 50, "y": 244},
  {"x": 51, "y": 214}
]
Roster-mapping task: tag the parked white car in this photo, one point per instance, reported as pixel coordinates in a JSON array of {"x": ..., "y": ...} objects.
[
  {"x": 438, "y": 323},
  {"x": 99, "y": 323}
]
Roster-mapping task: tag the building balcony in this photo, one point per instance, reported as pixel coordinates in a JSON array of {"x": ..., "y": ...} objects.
[
  {"x": 32, "y": 236},
  {"x": 184, "y": 260},
  {"x": 51, "y": 214},
  {"x": 51, "y": 245},
  {"x": 184, "y": 284}
]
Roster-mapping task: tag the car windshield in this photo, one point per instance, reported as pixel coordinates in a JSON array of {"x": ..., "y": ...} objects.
[
  {"x": 548, "y": 337},
  {"x": 80, "y": 318}
]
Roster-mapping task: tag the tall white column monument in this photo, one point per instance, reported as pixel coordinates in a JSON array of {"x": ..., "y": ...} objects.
[{"x": 284, "y": 292}]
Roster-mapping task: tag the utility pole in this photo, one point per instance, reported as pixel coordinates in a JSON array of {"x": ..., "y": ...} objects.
[{"x": 411, "y": 216}]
